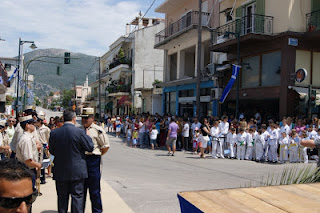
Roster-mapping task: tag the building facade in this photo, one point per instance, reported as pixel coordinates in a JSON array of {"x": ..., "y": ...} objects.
[
  {"x": 276, "y": 38},
  {"x": 128, "y": 70},
  {"x": 179, "y": 40}
]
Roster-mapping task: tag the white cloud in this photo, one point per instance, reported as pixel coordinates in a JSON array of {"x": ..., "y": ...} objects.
[{"x": 86, "y": 26}]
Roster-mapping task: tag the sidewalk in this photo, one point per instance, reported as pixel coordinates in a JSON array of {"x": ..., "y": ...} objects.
[{"x": 47, "y": 203}]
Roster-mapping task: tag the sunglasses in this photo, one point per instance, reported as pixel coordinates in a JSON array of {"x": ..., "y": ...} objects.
[{"x": 15, "y": 202}]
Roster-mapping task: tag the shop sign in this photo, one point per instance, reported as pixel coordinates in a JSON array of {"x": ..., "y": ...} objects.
[{"x": 301, "y": 74}]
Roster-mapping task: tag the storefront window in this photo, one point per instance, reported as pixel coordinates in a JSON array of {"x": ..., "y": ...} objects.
[
  {"x": 250, "y": 72},
  {"x": 271, "y": 68}
]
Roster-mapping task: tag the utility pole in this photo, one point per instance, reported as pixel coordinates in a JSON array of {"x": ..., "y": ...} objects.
[
  {"x": 199, "y": 60},
  {"x": 99, "y": 90},
  {"x": 75, "y": 94}
]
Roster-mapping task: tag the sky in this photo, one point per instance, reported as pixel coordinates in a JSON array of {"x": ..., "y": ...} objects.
[{"x": 84, "y": 26}]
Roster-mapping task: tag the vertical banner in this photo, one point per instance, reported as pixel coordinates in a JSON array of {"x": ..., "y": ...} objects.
[{"x": 235, "y": 72}]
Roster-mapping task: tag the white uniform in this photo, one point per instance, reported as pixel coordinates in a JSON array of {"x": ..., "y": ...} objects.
[
  {"x": 214, "y": 131},
  {"x": 250, "y": 144},
  {"x": 303, "y": 152},
  {"x": 294, "y": 149},
  {"x": 266, "y": 144},
  {"x": 27, "y": 148},
  {"x": 232, "y": 140},
  {"x": 224, "y": 129},
  {"x": 284, "y": 149},
  {"x": 259, "y": 144},
  {"x": 273, "y": 146},
  {"x": 254, "y": 145},
  {"x": 241, "y": 145},
  {"x": 285, "y": 129}
]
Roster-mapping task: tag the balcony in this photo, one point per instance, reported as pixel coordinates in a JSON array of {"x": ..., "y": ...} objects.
[
  {"x": 187, "y": 22},
  {"x": 313, "y": 21},
  {"x": 119, "y": 89},
  {"x": 120, "y": 61},
  {"x": 253, "y": 24}
]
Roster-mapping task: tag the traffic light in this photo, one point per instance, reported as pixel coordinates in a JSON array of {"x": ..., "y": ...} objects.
[
  {"x": 58, "y": 70},
  {"x": 66, "y": 58},
  {"x": 313, "y": 98}
]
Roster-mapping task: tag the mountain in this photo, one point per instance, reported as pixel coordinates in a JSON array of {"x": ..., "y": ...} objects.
[{"x": 44, "y": 70}]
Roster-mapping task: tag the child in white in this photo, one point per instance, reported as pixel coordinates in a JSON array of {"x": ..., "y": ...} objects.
[
  {"x": 273, "y": 144},
  {"x": 284, "y": 141},
  {"x": 259, "y": 144},
  {"x": 294, "y": 147},
  {"x": 241, "y": 144},
  {"x": 232, "y": 141},
  {"x": 214, "y": 131},
  {"x": 303, "y": 150},
  {"x": 250, "y": 144},
  {"x": 224, "y": 129},
  {"x": 153, "y": 136}
]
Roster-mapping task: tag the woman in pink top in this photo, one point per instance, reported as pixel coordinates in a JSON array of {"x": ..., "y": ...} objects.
[{"x": 299, "y": 126}]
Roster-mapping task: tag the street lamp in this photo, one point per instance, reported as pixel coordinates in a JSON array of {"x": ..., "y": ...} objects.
[{"x": 20, "y": 62}]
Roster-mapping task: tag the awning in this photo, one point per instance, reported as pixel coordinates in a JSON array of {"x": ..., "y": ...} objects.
[{"x": 303, "y": 92}]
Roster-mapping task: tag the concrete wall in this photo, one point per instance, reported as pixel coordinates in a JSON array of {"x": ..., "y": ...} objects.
[{"x": 157, "y": 104}]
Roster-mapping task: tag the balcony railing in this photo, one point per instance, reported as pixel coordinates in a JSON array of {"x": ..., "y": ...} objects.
[
  {"x": 313, "y": 21},
  {"x": 256, "y": 24},
  {"x": 117, "y": 62},
  {"x": 119, "y": 88},
  {"x": 190, "y": 19}
]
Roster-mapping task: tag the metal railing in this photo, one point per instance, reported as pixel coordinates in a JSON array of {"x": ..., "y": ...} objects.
[
  {"x": 190, "y": 19},
  {"x": 117, "y": 62},
  {"x": 256, "y": 24},
  {"x": 313, "y": 21},
  {"x": 119, "y": 88}
]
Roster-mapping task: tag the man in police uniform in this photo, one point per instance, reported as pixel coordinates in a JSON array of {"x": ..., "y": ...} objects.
[
  {"x": 4, "y": 146},
  {"x": 19, "y": 131},
  {"x": 44, "y": 134},
  {"x": 27, "y": 149},
  {"x": 101, "y": 146}
]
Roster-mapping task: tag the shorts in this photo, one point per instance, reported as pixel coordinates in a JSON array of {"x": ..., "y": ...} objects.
[
  {"x": 118, "y": 129},
  {"x": 171, "y": 142},
  {"x": 205, "y": 142},
  {"x": 153, "y": 141},
  {"x": 195, "y": 144},
  {"x": 210, "y": 141},
  {"x": 128, "y": 138},
  {"x": 134, "y": 141}
]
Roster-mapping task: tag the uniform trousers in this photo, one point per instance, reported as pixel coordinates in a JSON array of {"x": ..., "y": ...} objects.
[
  {"x": 220, "y": 149},
  {"x": 294, "y": 154},
  {"x": 214, "y": 148},
  {"x": 249, "y": 153},
  {"x": 283, "y": 153},
  {"x": 273, "y": 152},
  {"x": 93, "y": 182},
  {"x": 241, "y": 150},
  {"x": 303, "y": 154},
  {"x": 259, "y": 151},
  {"x": 232, "y": 150},
  {"x": 75, "y": 188}
]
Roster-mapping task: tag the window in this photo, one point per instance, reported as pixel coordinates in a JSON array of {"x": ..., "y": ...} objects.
[
  {"x": 186, "y": 93},
  {"x": 205, "y": 91},
  {"x": 250, "y": 72},
  {"x": 228, "y": 16},
  {"x": 171, "y": 103},
  {"x": 271, "y": 68}
]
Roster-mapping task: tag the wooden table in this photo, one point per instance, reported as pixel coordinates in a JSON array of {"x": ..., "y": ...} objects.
[{"x": 303, "y": 198}]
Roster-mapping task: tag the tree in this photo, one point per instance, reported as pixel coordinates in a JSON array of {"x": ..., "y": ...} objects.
[
  {"x": 37, "y": 101},
  {"x": 66, "y": 98},
  {"x": 121, "y": 53},
  {"x": 51, "y": 94}
]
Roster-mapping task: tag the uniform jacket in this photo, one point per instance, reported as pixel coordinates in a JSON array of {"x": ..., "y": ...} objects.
[{"x": 68, "y": 144}]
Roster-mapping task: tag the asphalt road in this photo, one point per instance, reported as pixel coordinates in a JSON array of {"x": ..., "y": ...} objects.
[{"x": 149, "y": 181}]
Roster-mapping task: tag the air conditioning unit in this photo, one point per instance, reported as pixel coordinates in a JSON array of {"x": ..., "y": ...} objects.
[{"x": 216, "y": 93}]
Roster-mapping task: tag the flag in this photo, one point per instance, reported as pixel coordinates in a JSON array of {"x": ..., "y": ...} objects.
[
  {"x": 235, "y": 72},
  {"x": 13, "y": 75}
]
